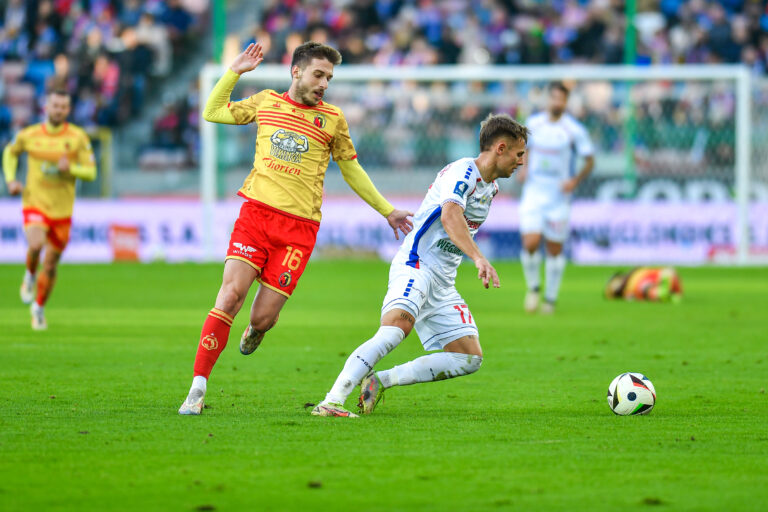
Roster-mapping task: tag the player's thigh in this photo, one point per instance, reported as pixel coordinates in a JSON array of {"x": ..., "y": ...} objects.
[
  {"x": 445, "y": 318},
  {"x": 465, "y": 345},
  {"x": 531, "y": 213},
  {"x": 52, "y": 257},
  {"x": 235, "y": 283},
  {"x": 36, "y": 235},
  {"x": 531, "y": 241},
  {"x": 407, "y": 290},
  {"x": 557, "y": 222}
]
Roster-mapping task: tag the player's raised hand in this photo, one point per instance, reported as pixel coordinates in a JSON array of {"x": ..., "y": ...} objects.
[
  {"x": 248, "y": 60},
  {"x": 15, "y": 187},
  {"x": 486, "y": 273},
  {"x": 398, "y": 220}
]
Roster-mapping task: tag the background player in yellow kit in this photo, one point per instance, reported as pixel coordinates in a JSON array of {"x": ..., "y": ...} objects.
[
  {"x": 275, "y": 233},
  {"x": 57, "y": 154}
]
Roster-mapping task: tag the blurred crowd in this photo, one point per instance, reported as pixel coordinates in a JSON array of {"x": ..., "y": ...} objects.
[
  {"x": 421, "y": 32},
  {"x": 106, "y": 53}
]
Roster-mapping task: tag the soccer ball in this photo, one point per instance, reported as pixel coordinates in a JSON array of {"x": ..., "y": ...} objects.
[{"x": 631, "y": 393}]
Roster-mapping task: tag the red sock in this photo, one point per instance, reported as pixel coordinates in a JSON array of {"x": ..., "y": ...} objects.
[
  {"x": 213, "y": 339},
  {"x": 32, "y": 260},
  {"x": 44, "y": 287}
]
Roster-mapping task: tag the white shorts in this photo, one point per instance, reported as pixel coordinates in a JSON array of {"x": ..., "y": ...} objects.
[
  {"x": 440, "y": 312},
  {"x": 545, "y": 214}
]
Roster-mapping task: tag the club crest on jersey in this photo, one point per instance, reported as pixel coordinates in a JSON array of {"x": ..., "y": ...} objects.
[
  {"x": 460, "y": 189},
  {"x": 319, "y": 121},
  {"x": 210, "y": 342},
  {"x": 288, "y": 146},
  {"x": 285, "y": 279}
]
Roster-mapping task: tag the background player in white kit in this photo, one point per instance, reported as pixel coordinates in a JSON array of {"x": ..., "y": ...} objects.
[
  {"x": 556, "y": 139},
  {"x": 422, "y": 291}
]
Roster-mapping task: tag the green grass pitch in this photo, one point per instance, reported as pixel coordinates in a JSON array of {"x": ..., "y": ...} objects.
[{"x": 88, "y": 409}]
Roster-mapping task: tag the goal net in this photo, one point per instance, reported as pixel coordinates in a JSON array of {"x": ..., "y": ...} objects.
[{"x": 680, "y": 174}]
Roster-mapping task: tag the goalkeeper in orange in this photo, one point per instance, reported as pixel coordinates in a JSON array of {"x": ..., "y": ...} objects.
[
  {"x": 655, "y": 284},
  {"x": 275, "y": 232},
  {"x": 58, "y": 153}
]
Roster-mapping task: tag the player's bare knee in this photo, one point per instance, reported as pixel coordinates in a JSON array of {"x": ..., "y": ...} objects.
[
  {"x": 398, "y": 318},
  {"x": 262, "y": 322},
  {"x": 230, "y": 300}
]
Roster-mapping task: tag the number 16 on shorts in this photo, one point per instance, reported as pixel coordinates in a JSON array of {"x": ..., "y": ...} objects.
[{"x": 463, "y": 311}]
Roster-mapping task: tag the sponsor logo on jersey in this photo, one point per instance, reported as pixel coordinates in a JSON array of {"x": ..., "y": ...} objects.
[
  {"x": 247, "y": 249},
  {"x": 446, "y": 246},
  {"x": 272, "y": 164},
  {"x": 319, "y": 121},
  {"x": 285, "y": 279},
  {"x": 408, "y": 288},
  {"x": 210, "y": 342},
  {"x": 288, "y": 145},
  {"x": 460, "y": 189}
]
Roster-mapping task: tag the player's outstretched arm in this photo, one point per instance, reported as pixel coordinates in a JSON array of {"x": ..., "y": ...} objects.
[
  {"x": 452, "y": 217},
  {"x": 216, "y": 110},
  {"x": 10, "y": 166},
  {"x": 570, "y": 184},
  {"x": 361, "y": 183}
]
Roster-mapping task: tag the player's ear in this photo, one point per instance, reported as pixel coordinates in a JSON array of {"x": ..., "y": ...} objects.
[{"x": 296, "y": 72}]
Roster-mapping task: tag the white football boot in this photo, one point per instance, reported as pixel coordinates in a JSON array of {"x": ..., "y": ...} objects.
[
  {"x": 531, "y": 303},
  {"x": 193, "y": 405},
  {"x": 38, "y": 317},
  {"x": 27, "y": 290},
  {"x": 547, "y": 308},
  {"x": 332, "y": 409}
]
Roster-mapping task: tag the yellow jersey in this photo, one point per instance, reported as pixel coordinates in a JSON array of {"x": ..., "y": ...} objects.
[
  {"x": 294, "y": 143},
  {"x": 48, "y": 190}
]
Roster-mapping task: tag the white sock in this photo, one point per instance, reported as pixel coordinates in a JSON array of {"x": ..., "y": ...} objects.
[
  {"x": 554, "y": 266},
  {"x": 199, "y": 382},
  {"x": 531, "y": 265},
  {"x": 362, "y": 360},
  {"x": 28, "y": 276},
  {"x": 429, "y": 368}
]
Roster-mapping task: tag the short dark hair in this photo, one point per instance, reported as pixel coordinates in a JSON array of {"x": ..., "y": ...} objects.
[
  {"x": 59, "y": 91},
  {"x": 304, "y": 53},
  {"x": 500, "y": 125},
  {"x": 559, "y": 86}
]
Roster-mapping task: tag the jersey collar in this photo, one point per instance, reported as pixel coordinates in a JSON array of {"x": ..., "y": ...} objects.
[
  {"x": 48, "y": 129},
  {"x": 297, "y": 104}
]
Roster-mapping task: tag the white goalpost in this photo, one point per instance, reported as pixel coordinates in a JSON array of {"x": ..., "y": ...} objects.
[{"x": 736, "y": 80}]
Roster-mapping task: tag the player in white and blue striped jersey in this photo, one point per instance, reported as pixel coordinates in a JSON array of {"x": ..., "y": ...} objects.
[
  {"x": 421, "y": 292},
  {"x": 557, "y": 138}
]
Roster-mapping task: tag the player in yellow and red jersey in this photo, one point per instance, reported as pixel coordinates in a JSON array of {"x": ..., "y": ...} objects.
[
  {"x": 57, "y": 154},
  {"x": 275, "y": 233}
]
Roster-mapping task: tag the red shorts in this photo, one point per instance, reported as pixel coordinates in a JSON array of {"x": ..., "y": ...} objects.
[
  {"x": 275, "y": 243},
  {"x": 57, "y": 229}
]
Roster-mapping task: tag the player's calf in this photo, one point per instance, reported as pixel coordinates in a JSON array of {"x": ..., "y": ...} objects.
[
  {"x": 253, "y": 335},
  {"x": 431, "y": 368}
]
